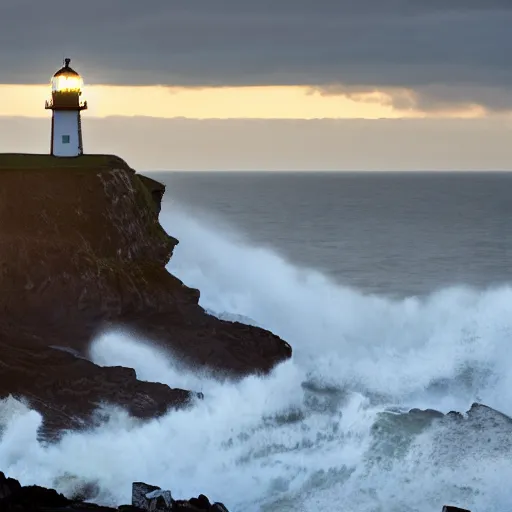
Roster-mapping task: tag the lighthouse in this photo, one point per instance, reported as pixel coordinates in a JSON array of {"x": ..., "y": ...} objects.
[{"x": 66, "y": 106}]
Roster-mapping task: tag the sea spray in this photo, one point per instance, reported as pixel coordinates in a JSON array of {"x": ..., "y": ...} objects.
[{"x": 442, "y": 347}]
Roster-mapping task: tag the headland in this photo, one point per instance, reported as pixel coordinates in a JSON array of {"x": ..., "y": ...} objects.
[{"x": 83, "y": 252}]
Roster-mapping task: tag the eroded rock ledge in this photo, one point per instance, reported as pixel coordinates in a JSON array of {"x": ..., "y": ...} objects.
[{"x": 82, "y": 250}]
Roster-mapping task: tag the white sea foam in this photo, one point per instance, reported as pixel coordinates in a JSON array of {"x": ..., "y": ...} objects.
[
  {"x": 275, "y": 444},
  {"x": 392, "y": 347}
]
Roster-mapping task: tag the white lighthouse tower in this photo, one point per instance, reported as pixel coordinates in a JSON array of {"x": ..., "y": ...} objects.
[{"x": 66, "y": 106}]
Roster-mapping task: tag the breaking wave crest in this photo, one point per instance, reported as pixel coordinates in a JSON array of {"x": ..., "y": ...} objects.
[{"x": 326, "y": 430}]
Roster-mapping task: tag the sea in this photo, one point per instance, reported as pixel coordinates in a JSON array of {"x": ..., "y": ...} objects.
[{"x": 394, "y": 290}]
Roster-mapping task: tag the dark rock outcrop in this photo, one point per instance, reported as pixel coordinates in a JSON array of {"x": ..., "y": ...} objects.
[
  {"x": 145, "y": 498},
  {"x": 153, "y": 499},
  {"x": 8, "y": 486},
  {"x": 66, "y": 389},
  {"x": 81, "y": 251}
]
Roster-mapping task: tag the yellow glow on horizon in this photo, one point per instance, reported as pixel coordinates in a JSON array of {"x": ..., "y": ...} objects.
[{"x": 257, "y": 102}]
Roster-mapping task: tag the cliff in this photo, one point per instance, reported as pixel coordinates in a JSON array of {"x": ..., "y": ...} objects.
[{"x": 82, "y": 250}]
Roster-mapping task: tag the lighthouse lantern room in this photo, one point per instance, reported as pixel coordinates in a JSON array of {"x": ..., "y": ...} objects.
[{"x": 66, "y": 106}]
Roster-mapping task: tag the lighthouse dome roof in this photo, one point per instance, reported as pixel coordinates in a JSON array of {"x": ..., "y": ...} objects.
[{"x": 66, "y": 70}]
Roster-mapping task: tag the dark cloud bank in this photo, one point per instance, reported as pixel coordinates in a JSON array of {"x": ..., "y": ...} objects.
[{"x": 443, "y": 44}]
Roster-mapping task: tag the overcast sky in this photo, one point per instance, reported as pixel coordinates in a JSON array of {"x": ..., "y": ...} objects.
[{"x": 333, "y": 58}]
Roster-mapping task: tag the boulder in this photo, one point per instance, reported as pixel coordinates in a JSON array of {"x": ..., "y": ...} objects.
[
  {"x": 151, "y": 498},
  {"x": 201, "y": 502}
]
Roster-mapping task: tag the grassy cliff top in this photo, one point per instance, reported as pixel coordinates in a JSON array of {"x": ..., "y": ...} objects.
[{"x": 19, "y": 161}]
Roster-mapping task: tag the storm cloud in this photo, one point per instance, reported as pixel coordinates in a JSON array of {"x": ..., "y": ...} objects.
[{"x": 441, "y": 48}]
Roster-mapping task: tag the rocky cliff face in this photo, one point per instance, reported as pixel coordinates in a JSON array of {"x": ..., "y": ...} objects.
[{"x": 81, "y": 249}]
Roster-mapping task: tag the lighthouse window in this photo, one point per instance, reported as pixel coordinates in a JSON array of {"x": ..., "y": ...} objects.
[{"x": 65, "y": 139}]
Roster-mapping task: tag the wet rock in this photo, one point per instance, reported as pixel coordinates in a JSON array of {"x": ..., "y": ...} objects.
[
  {"x": 151, "y": 498},
  {"x": 145, "y": 498},
  {"x": 159, "y": 501},
  {"x": 455, "y": 415},
  {"x": 201, "y": 502},
  {"x": 448, "y": 508},
  {"x": 218, "y": 507},
  {"x": 8, "y": 486},
  {"x": 34, "y": 498},
  {"x": 67, "y": 390},
  {"x": 78, "y": 489},
  {"x": 426, "y": 413}
]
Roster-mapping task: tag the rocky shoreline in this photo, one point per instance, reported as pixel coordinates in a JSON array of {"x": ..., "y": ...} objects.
[{"x": 145, "y": 498}]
